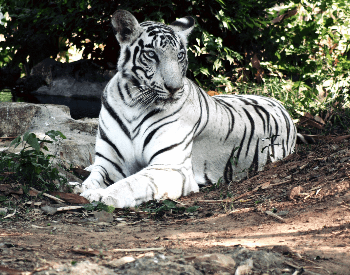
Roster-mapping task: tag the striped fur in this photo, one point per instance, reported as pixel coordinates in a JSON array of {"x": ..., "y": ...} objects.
[{"x": 161, "y": 136}]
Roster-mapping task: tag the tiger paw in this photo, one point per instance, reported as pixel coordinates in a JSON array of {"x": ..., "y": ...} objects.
[
  {"x": 77, "y": 187},
  {"x": 105, "y": 197}
]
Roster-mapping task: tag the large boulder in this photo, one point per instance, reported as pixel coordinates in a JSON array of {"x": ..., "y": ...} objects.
[
  {"x": 78, "y": 148},
  {"x": 80, "y": 79}
]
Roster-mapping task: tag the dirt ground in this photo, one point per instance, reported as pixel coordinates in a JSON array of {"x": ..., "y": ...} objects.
[{"x": 299, "y": 206}]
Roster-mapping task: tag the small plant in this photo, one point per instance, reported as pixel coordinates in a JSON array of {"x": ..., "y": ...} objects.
[
  {"x": 99, "y": 206},
  {"x": 31, "y": 167},
  {"x": 159, "y": 208}
]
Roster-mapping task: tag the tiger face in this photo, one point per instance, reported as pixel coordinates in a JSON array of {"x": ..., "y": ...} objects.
[{"x": 153, "y": 58}]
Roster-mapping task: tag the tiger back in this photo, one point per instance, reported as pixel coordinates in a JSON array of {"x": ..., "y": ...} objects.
[{"x": 161, "y": 136}]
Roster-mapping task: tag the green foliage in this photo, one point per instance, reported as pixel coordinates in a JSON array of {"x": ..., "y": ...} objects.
[
  {"x": 309, "y": 52},
  {"x": 99, "y": 206},
  {"x": 224, "y": 30},
  {"x": 159, "y": 208},
  {"x": 5, "y": 97},
  {"x": 31, "y": 167},
  {"x": 295, "y": 51}
]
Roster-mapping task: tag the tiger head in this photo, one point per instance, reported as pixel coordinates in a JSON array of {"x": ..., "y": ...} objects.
[{"x": 153, "y": 57}]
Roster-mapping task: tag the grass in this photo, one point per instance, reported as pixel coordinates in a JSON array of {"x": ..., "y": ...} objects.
[{"x": 5, "y": 96}]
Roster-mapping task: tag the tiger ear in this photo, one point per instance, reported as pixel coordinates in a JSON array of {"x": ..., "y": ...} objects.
[
  {"x": 125, "y": 26},
  {"x": 183, "y": 26}
]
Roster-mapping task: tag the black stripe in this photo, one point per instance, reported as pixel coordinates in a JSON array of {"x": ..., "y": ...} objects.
[
  {"x": 127, "y": 56},
  {"x": 276, "y": 126},
  {"x": 115, "y": 116},
  {"x": 207, "y": 180},
  {"x": 151, "y": 134},
  {"x": 228, "y": 108},
  {"x": 256, "y": 108},
  {"x": 120, "y": 92},
  {"x": 228, "y": 172},
  {"x": 241, "y": 144},
  {"x": 106, "y": 177},
  {"x": 252, "y": 130},
  {"x": 267, "y": 114},
  {"x": 287, "y": 124},
  {"x": 116, "y": 166},
  {"x": 202, "y": 96},
  {"x": 150, "y": 114},
  {"x": 163, "y": 150},
  {"x": 255, "y": 163},
  {"x": 105, "y": 138},
  {"x": 178, "y": 110},
  {"x": 272, "y": 146}
]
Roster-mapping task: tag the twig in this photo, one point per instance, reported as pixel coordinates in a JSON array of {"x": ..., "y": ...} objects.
[
  {"x": 211, "y": 201},
  {"x": 138, "y": 249},
  {"x": 242, "y": 210},
  {"x": 73, "y": 207},
  {"x": 49, "y": 196},
  {"x": 10, "y": 215},
  {"x": 184, "y": 204},
  {"x": 275, "y": 216},
  {"x": 88, "y": 252}
]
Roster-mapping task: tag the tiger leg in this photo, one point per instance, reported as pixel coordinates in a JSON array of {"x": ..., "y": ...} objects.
[
  {"x": 152, "y": 183},
  {"x": 104, "y": 171}
]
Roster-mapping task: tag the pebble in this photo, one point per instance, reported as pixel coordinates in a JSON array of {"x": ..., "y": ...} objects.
[
  {"x": 49, "y": 209},
  {"x": 103, "y": 216}
]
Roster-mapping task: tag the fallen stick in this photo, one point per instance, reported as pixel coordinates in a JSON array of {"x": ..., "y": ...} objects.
[
  {"x": 275, "y": 216},
  {"x": 66, "y": 208},
  {"x": 49, "y": 196},
  {"x": 10, "y": 215},
  {"x": 211, "y": 201},
  {"x": 138, "y": 249}
]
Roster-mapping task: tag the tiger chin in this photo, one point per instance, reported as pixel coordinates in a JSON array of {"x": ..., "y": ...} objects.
[{"x": 161, "y": 136}]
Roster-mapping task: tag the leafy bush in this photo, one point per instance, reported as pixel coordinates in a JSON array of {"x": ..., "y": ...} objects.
[
  {"x": 296, "y": 51},
  {"x": 309, "y": 53},
  {"x": 40, "y": 29},
  {"x": 31, "y": 167}
]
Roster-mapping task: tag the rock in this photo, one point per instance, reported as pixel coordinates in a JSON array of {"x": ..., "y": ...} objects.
[
  {"x": 79, "y": 79},
  {"x": 49, "y": 209},
  {"x": 176, "y": 251},
  {"x": 263, "y": 260},
  {"x": 103, "y": 216},
  {"x": 282, "y": 213},
  {"x": 3, "y": 211},
  {"x": 283, "y": 249},
  {"x": 79, "y": 148},
  {"x": 246, "y": 268},
  {"x": 248, "y": 262},
  {"x": 121, "y": 261},
  {"x": 221, "y": 260},
  {"x": 295, "y": 192},
  {"x": 87, "y": 268},
  {"x": 157, "y": 265}
]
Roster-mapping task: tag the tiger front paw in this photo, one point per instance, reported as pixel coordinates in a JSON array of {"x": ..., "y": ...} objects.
[{"x": 102, "y": 195}]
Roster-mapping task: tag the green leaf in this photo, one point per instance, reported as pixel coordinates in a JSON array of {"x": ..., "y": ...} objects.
[
  {"x": 53, "y": 134},
  {"x": 170, "y": 204},
  {"x": 192, "y": 209},
  {"x": 33, "y": 141},
  {"x": 204, "y": 71},
  {"x": 26, "y": 135},
  {"x": 16, "y": 141}
]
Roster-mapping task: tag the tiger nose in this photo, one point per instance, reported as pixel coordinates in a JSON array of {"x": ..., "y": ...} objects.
[{"x": 172, "y": 90}]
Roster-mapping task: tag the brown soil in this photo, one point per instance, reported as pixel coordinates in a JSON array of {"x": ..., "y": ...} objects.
[{"x": 309, "y": 191}]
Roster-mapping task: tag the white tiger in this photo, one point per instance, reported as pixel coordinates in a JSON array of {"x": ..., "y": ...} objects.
[{"x": 161, "y": 136}]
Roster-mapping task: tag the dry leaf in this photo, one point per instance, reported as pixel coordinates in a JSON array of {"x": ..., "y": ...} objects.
[
  {"x": 69, "y": 197},
  {"x": 212, "y": 93}
]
